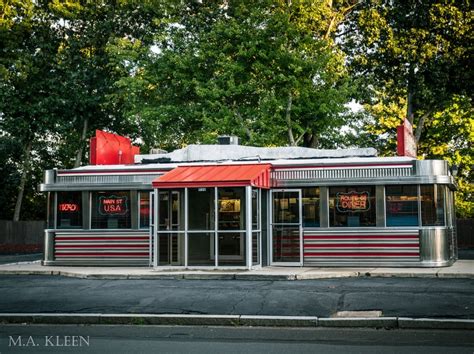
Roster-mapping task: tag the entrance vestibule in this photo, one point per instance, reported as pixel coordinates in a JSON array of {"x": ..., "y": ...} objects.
[{"x": 207, "y": 227}]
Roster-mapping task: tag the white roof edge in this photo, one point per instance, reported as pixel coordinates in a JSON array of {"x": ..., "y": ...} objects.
[{"x": 280, "y": 162}]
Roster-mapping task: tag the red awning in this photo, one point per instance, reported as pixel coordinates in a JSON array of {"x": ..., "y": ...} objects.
[{"x": 256, "y": 175}]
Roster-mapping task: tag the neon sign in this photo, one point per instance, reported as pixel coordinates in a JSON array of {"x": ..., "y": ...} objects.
[
  {"x": 353, "y": 202},
  {"x": 68, "y": 207},
  {"x": 113, "y": 205}
]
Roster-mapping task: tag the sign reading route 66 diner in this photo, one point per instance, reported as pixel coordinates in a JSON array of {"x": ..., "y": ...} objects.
[{"x": 353, "y": 202}]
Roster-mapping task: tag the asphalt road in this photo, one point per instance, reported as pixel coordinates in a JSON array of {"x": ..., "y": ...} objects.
[
  {"x": 208, "y": 340},
  {"x": 406, "y": 297}
]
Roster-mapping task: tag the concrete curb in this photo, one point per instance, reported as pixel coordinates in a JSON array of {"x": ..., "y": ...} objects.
[
  {"x": 460, "y": 270},
  {"x": 367, "y": 322},
  {"x": 235, "y": 320}
]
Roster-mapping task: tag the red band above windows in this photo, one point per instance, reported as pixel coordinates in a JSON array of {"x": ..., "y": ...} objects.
[{"x": 255, "y": 175}]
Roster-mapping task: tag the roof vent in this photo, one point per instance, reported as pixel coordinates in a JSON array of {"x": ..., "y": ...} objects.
[
  {"x": 156, "y": 151},
  {"x": 228, "y": 140}
]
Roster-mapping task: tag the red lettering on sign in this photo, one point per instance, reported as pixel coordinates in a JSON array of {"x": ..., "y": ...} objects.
[
  {"x": 68, "y": 207},
  {"x": 352, "y": 201}
]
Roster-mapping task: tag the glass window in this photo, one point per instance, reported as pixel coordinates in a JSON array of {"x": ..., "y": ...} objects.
[
  {"x": 110, "y": 210},
  {"x": 432, "y": 205},
  {"x": 169, "y": 211},
  {"x": 201, "y": 249},
  {"x": 286, "y": 207},
  {"x": 401, "y": 205},
  {"x": 231, "y": 249},
  {"x": 51, "y": 206},
  {"x": 310, "y": 207},
  {"x": 255, "y": 209},
  {"x": 352, "y": 206},
  {"x": 286, "y": 243},
  {"x": 231, "y": 208},
  {"x": 144, "y": 200},
  {"x": 201, "y": 208},
  {"x": 255, "y": 248},
  {"x": 69, "y": 210}
]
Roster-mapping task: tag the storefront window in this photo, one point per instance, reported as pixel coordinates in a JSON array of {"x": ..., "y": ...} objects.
[
  {"x": 352, "y": 206},
  {"x": 255, "y": 209},
  {"x": 144, "y": 200},
  {"x": 169, "y": 211},
  {"x": 69, "y": 210},
  {"x": 201, "y": 249},
  {"x": 231, "y": 207},
  {"x": 402, "y": 205},
  {"x": 201, "y": 208},
  {"x": 51, "y": 208},
  {"x": 286, "y": 207},
  {"x": 255, "y": 248},
  {"x": 231, "y": 249},
  {"x": 310, "y": 207},
  {"x": 110, "y": 210},
  {"x": 432, "y": 205}
]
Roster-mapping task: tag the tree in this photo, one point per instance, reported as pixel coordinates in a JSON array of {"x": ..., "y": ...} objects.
[
  {"x": 413, "y": 60},
  {"x": 413, "y": 54},
  {"x": 56, "y": 78},
  {"x": 26, "y": 95},
  {"x": 268, "y": 72}
]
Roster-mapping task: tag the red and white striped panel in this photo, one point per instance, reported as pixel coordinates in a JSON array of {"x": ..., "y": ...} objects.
[
  {"x": 118, "y": 247},
  {"x": 361, "y": 247}
]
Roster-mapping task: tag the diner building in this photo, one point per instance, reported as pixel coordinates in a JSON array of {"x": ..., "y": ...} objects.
[{"x": 232, "y": 206}]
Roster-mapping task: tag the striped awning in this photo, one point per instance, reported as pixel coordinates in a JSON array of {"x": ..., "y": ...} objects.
[{"x": 255, "y": 175}]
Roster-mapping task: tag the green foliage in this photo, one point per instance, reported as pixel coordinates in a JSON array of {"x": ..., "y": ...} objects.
[
  {"x": 450, "y": 136},
  {"x": 56, "y": 78},
  {"x": 170, "y": 73},
  {"x": 413, "y": 59},
  {"x": 256, "y": 70}
]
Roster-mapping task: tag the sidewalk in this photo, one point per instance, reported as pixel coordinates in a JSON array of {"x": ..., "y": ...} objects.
[{"x": 460, "y": 269}]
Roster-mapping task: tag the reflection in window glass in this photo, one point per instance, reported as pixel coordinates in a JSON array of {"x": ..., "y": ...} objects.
[
  {"x": 255, "y": 248},
  {"x": 201, "y": 208},
  {"x": 255, "y": 209},
  {"x": 69, "y": 210},
  {"x": 231, "y": 207},
  {"x": 310, "y": 207},
  {"x": 144, "y": 210},
  {"x": 231, "y": 249},
  {"x": 352, "y": 206},
  {"x": 286, "y": 243},
  {"x": 169, "y": 211},
  {"x": 286, "y": 207},
  {"x": 200, "y": 249},
  {"x": 51, "y": 206},
  {"x": 110, "y": 210},
  {"x": 402, "y": 205},
  {"x": 432, "y": 205}
]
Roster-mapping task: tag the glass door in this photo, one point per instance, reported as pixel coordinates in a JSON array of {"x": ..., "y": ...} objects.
[
  {"x": 151, "y": 223},
  {"x": 168, "y": 226},
  {"x": 286, "y": 227}
]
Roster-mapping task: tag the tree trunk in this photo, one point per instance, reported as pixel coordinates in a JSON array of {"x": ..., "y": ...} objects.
[
  {"x": 82, "y": 143},
  {"x": 420, "y": 125},
  {"x": 291, "y": 137},
  {"x": 411, "y": 74},
  {"x": 310, "y": 140},
  {"x": 242, "y": 121},
  {"x": 24, "y": 177}
]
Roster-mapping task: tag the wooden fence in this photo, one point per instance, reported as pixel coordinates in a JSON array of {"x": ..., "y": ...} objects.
[
  {"x": 465, "y": 232},
  {"x": 32, "y": 233}
]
